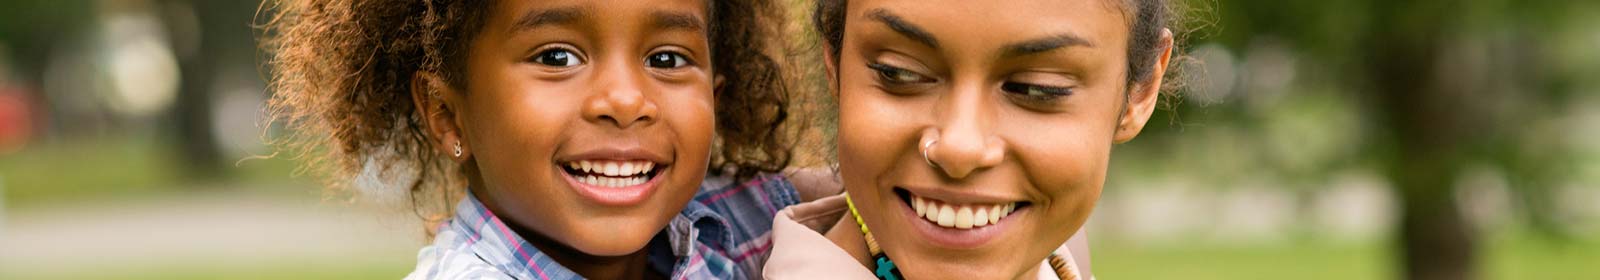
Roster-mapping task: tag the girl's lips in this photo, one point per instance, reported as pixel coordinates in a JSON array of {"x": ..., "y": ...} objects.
[{"x": 609, "y": 187}]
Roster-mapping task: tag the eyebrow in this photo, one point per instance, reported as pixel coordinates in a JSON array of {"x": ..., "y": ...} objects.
[
  {"x": 904, "y": 28},
  {"x": 676, "y": 20},
  {"x": 1046, "y": 44},
  {"x": 538, "y": 18}
]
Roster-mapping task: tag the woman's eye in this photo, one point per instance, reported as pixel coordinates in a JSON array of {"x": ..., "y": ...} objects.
[
  {"x": 897, "y": 75},
  {"x": 557, "y": 58},
  {"x": 666, "y": 60},
  {"x": 1035, "y": 92}
]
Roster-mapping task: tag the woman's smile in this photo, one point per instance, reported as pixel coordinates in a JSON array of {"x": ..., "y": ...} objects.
[{"x": 959, "y": 221}]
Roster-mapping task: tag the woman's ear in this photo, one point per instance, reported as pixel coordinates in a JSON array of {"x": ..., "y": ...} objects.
[
  {"x": 437, "y": 103},
  {"x": 1142, "y": 98},
  {"x": 830, "y": 60}
]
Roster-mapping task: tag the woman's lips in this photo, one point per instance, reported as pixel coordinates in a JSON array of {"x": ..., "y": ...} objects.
[
  {"x": 958, "y": 226},
  {"x": 960, "y": 216},
  {"x": 613, "y": 182}
]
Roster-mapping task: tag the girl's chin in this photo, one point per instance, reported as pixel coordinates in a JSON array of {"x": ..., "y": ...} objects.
[{"x": 608, "y": 242}]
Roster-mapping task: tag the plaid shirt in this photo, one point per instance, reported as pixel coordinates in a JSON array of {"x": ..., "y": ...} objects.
[{"x": 724, "y": 233}]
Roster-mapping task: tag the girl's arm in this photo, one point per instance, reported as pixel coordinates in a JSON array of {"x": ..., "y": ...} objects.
[{"x": 814, "y": 182}]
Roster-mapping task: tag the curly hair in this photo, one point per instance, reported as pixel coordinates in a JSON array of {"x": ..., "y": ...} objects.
[{"x": 341, "y": 74}]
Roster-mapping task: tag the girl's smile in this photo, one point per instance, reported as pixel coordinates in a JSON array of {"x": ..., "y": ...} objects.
[{"x": 613, "y": 176}]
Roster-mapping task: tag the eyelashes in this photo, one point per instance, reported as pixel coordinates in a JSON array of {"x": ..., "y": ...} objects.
[
  {"x": 557, "y": 57},
  {"x": 563, "y": 57},
  {"x": 668, "y": 60},
  {"x": 1035, "y": 92},
  {"x": 902, "y": 81},
  {"x": 896, "y": 75}
]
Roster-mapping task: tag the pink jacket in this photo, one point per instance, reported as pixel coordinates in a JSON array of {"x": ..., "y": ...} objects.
[{"x": 800, "y": 251}]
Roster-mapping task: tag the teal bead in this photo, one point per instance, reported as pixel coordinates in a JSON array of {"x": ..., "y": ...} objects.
[{"x": 886, "y": 269}]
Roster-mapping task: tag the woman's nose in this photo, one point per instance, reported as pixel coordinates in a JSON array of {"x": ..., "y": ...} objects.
[{"x": 963, "y": 141}]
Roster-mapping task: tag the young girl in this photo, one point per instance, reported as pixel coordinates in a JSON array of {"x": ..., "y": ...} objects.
[
  {"x": 973, "y": 135},
  {"x": 571, "y": 136}
]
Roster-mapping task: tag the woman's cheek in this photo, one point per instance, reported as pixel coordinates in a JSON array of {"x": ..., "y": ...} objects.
[
  {"x": 1067, "y": 166},
  {"x": 870, "y": 130}
]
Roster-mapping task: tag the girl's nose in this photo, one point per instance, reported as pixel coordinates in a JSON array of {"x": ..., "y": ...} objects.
[{"x": 620, "y": 100}]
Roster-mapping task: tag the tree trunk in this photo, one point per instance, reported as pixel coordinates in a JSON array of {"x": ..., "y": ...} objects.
[{"x": 1425, "y": 121}]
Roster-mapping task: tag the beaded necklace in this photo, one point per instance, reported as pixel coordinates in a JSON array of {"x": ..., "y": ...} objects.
[{"x": 886, "y": 270}]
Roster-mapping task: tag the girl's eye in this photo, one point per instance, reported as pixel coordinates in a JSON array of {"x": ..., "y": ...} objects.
[
  {"x": 557, "y": 58},
  {"x": 897, "y": 75},
  {"x": 1034, "y": 92},
  {"x": 666, "y": 60}
]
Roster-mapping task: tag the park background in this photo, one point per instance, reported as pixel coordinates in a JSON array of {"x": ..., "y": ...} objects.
[{"x": 1365, "y": 139}]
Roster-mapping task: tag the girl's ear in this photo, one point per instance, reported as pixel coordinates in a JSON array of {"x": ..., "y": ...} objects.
[
  {"x": 1141, "y": 100},
  {"x": 437, "y": 104},
  {"x": 716, "y": 83},
  {"x": 831, "y": 61}
]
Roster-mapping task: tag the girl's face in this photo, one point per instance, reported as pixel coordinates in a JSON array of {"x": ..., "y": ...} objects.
[
  {"x": 589, "y": 122},
  {"x": 1017, "y": 105}
]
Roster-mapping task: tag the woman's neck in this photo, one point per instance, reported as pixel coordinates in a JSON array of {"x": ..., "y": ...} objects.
[{"x": 847, "y": 235}]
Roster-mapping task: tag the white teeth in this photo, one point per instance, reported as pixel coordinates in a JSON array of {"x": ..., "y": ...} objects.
[
  {"x": 960, "y": 216},
  {"x": 611, "y": 169},
  {"x": 612, "y": 174},
  {"x": 980, "y": 217},
  {"x": 964, "y": 217},
  {"x": 994, "y": 214},
  {"x": 947, "y": 216},
  {"x": 916, "y": 203}
]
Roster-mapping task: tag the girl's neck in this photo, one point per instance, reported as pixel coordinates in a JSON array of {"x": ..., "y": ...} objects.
[
  {"x": 630, "y": 266},
  {"x": 635, "y": 265}
]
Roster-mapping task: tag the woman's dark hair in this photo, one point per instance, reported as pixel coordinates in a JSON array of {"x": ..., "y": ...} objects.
[
  {"x": 341, "y": 75},
  {"x": 1150, "y": 16}
]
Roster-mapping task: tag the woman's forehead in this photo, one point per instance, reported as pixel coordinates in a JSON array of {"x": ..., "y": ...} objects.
[{"x": 1098, "y": 23}]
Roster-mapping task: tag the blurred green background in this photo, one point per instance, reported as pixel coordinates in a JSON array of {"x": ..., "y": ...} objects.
[{"x": 1312, "y": 140}]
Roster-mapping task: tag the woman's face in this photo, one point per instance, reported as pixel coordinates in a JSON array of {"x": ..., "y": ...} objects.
[
  {"x": 1017, "y": 104},
  {"x": 589, "y": 123}
]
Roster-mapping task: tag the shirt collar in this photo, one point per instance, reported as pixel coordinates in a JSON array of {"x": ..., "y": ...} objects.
[
  {"x": 497, "y": 244},
  {"x": 671, "y": 252}
]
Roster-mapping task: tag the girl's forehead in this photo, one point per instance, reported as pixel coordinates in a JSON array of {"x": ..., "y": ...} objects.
[{"x": 516, "y": 15}]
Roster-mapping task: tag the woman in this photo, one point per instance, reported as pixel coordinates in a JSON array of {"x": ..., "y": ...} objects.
[{"x": 973, "y": 135}]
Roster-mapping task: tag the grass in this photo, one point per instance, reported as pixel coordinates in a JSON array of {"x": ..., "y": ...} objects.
[
  {"x": 285, "y": 269},
  {"x": 119, "y": 167},
  {"x": 1505, "y": 255},
  {"x": 112, "y": 169}
]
